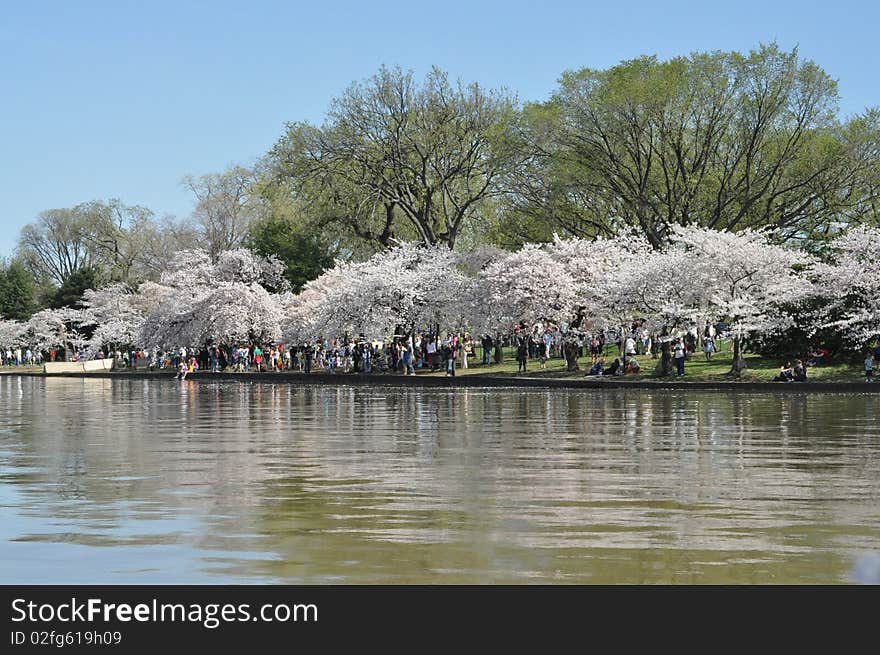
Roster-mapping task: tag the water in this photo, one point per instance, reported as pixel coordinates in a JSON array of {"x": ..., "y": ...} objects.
[{"x": 136, "y": 481}]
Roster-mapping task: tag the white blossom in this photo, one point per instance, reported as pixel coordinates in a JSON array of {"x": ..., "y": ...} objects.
[
  {"x": 405, "y": 288},
  {"x": 743, "y": 278},
  {"x": 199, "y": 302},
  {"x": 56, "y": 328},
  {"x": 12, "y": 333},
  {"x": 851, "y": 285}
]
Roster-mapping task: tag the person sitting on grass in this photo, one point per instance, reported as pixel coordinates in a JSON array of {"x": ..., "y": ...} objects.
[
  {"x": 633, "y": 366},
  {"x": 800, "y": 371},
  {"x": 614, "y": 369},
  {"x": 785, "y": 373},
  {"x": 819, "y": 357},
  {"x": 596, "y": 369}
]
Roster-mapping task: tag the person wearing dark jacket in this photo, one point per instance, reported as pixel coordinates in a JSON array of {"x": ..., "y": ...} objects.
[
  {"x": 613, "y": 369},
  {"x": 522, "y": 355},
  {"x": 487, "y": 349}
]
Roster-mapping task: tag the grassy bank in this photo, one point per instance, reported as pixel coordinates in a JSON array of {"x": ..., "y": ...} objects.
[{"x": 697, "y": 369}]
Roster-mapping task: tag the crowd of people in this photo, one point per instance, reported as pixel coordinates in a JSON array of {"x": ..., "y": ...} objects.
[
  {"x": 433, "y": 352},
  {"x": 404, "y": 354},
  {"x": 18, "y": 357}
]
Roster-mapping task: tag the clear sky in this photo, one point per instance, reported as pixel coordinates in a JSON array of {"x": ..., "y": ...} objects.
[{"x": 123, "y": 98}]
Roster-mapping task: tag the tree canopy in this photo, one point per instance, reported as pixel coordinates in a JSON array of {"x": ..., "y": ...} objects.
[
  {"x": 400, "y": 159},
  {"x": 18, "y": 294},
  {"x": 720, "y": 139},
  {"x": 613, "y": 164}
]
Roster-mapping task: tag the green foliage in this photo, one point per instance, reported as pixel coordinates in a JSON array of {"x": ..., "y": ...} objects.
[
  {"x": 74, "y": 285},
  {"x": 18, "y": 299},
  {"x": 304, "y": 252},
  {"x": 723, "y": 140},
  {"x": 397, "y": 159},
  {"x": 124, "y": 240}
]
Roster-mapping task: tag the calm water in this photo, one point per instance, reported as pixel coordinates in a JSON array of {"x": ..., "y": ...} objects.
[{"x": 163, "y": 482}]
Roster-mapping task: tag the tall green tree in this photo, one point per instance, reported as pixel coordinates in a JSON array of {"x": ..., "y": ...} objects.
[
  {"x": 305, "y": 253},
  {"x": 55, "y": 245},
  {"x": 126, "y": 241},
  {"x": 71, "y": 290},
  {"x": 721, "y": 139},
  {"x": 18, "y": 292},
  {"x": 119, "y": 234},
  {"x": 221, "y": 214},
  {"x": 398, "y": 159}
]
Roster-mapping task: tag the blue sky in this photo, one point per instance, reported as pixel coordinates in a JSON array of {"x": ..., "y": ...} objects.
[{"x": 122, "y": 99}]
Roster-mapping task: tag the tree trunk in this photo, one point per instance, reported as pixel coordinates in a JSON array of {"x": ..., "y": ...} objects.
[
  {"x": 664, "y": 366},
  {"x": 570, "y": 350},
  {"x": 499, "y": 350},
  {"x": 739, "y": 362}
]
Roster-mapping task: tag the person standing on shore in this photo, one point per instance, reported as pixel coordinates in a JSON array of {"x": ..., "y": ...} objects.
[
  {"x": 449, "y": 355},
  {"x": 307, "y": 359},
  {"x": 869, "y": 367},
  {"x": 487, "y": 344},
  {"x": 406, "y": 358},
  {"x": 708, "y": 347},
  {"x": 679, "y": 355},
  {"x": 595, "y": 350},
  {"x": 522, "y": 354}
]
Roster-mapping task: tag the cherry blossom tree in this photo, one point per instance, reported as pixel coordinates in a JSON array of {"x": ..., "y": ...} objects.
[
  {"x": 226, "y": 313},
  {"x": 306, "y": 314},
  {"x": 11, "y": 332},
  {"x": 742, "y": 277},
  {"x": 242, "y": 265},
  {"x": 226, "y": 301},
  {"x": 658, "y": 289},
  {"x": 851, "y": 285},
  {"x": 525, "y": 285},
  {"x": 57, "y": 328},
  {"x": 393, "y": 292},
  {"x": 563, "y": 282},
  {"x": 117, "y": 314},
  {"x": 587, "y": 264}
]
